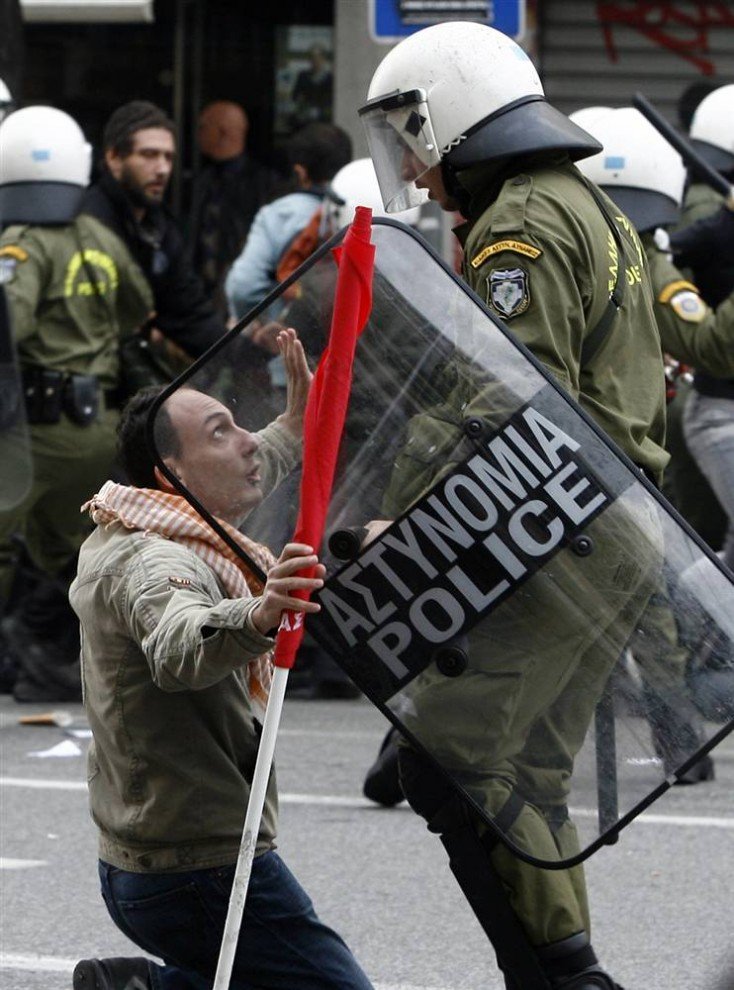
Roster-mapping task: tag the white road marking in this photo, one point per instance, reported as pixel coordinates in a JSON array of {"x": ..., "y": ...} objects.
[
  {"x": 20, "y": 864},
  {"x": 43, "y": 785},
  {"x": 338, "y": 801},
  {"x": 37, "y": 964}
]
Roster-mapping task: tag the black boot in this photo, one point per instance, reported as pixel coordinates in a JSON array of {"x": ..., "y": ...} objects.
[
  {"x": 112, "y": 974},
  {"x": 8, "y": 666},
  {"x": 46, "y": 671},
  {"x": 382, "y": 783},
  {"x": 45, "y": 675},
  {"x": 43, "y": 638},
  {"x": 571, "y": 964},
  {"x": 591, "y": 979},
  {"x": 677, "y": 732}
]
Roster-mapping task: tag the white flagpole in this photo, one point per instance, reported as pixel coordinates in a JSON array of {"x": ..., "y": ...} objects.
[{"x": 251, "y": 828}]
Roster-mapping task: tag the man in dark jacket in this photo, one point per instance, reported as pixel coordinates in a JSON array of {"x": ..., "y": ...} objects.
[
  {"x": 226, "y": 194},
  {"x": 139, "y": 148}
]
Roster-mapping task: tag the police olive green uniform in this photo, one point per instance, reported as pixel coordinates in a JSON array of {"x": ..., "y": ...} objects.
[
  {"x": 700, "y": 201},
  {"x": 689, "y": 330},
  {"x": 541, "y": 254},
  {"x": 697, "y": 336},
  {"x": 73, "y": 292},
  {"x": 693, "y": 334}
]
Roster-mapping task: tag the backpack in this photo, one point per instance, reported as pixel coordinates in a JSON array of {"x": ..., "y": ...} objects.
[{"x": 318, "y": 230}]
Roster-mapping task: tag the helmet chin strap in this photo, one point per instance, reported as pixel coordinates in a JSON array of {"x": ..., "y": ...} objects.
[{"x": 454, "y": 187}]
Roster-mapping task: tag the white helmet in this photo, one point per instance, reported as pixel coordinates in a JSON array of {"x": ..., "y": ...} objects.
[
  {"x": 586, "y": 116},
  {"x": 44, "y": 166},
  {"x": 458, "y": 93},
  {"x": 712, "y": 128},
  {"x": 6, "y": 101},
  {"x": 356, "y": 185},
  {"x": 642, "y": 173}
]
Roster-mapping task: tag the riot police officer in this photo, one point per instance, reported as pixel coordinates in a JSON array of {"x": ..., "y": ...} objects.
[
  {"x": 645, "y": 176},
  {"x": 457, "y": 112},
  {"x": 74, "y": 292}
]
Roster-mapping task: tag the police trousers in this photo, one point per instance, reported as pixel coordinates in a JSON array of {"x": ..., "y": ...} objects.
[
  {"x": 68, "y": 463},
  {"x": 516, "y": 718}
]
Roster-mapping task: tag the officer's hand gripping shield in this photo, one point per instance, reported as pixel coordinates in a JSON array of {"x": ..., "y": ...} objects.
[
  {"x": 502, "y": 582},
  {"x": 15, "y": 451}
]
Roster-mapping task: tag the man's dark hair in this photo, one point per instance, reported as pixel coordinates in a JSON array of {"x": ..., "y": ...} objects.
[
  {"x": 322, "y": 149},
  {"x": 134, "y": 456},
  {"x": 130, "y": 118}
]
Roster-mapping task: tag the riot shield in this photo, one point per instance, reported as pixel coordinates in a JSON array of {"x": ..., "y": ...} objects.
[
  {"x": 524, "y": 571},
  {"x": 15, "y": 456}
]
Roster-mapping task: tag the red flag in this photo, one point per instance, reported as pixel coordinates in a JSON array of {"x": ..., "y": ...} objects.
[{"x": 327, "y": 406}]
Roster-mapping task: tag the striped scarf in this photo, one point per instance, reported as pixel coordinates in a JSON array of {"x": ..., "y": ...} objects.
[{"x": 153, "y": 511}]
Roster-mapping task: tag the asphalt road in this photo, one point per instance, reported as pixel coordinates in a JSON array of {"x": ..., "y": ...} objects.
[{"x": 661, "y": 897}]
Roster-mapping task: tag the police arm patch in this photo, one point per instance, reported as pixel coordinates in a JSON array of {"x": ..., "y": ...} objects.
[
  {"x": 689, "y": 306},
  {"x": 13, "y": 251},
  {"x": 7, "y": 270},
  {"x": 519, "y": 247},
  {"x": 674, "y": 287},
  {"x": 508, "y": 291},
  {"x": 10, "y": 255}
]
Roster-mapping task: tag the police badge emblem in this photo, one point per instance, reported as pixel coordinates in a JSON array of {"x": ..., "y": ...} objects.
[
  {"x": 7, "y": 270},
  {"x": 509, "y": 291}
]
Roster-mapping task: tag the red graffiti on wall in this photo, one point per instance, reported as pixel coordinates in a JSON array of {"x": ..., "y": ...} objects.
[{"x": 682, "y": 28}]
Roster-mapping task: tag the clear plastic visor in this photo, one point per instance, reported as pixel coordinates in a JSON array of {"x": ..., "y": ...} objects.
[{"x": 403, "y": 148}]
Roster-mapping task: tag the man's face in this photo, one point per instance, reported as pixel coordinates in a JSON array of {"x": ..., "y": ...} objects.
[
  {"x": 208, "y": 134},
  {"x": 218, "y": 460},
  {"x": 145, "y": 172},
  {"x": 413, "y": 170}
]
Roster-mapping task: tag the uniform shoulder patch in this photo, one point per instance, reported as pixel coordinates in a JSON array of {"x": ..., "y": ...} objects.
[
  {"x": 672, "y": 288},
  {"x": 7, "y": 270},
  {"x": 508, "y": 291},
  {"x": 689, "y": 306},
  {"x": 10, "y": 255},
  {"x": 508, "y": 244},
  {"x": 13, "y": 251}
]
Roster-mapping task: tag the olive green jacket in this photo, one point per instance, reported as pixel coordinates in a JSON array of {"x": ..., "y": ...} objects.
[
  {"x": 164, "y": 655},
  {"x": 700, "y": 201},
  {"x": 690, "y": 330},
  {"x": 545, "y": 227},
  {"x": 74, "y": 291}
]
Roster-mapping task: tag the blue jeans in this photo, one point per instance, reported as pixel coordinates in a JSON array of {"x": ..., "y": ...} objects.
[{"x": 179, "y": 917}]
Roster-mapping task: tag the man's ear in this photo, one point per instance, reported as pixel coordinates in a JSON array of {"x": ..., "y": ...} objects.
[
  {"x": 162, "y": 481},
  {"x": 302, "y": 176},
  {"x": 113, "y": 161}
]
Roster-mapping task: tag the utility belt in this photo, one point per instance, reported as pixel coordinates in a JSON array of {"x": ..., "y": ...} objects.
[{"x": 49, "y": 394}]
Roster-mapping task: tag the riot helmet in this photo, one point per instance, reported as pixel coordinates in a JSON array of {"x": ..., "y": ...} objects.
[
  {"x": 712, "y": 128},
  {"x": 45, "y": 164},
  {"x": 638, "y": 169},
  {"x": 6, "y": 101},
  {"x": 356, "y": 185},
  {"x": 585, "y": 116},
  {"x": 458, "y": 94}
]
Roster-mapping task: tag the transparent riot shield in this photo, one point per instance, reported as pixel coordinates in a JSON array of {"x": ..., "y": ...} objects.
[
  {"x": 529, "y": 611},
  {"x": 15, "y": 457}
]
